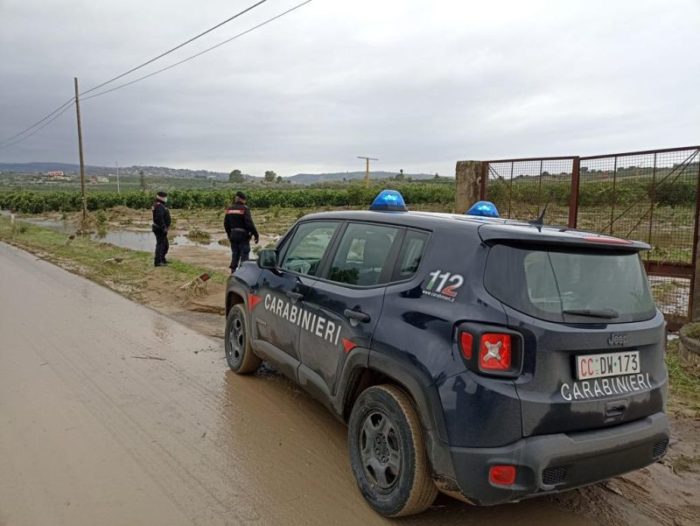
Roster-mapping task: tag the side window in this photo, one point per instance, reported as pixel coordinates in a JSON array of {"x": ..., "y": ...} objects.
[
  {"x": 362, "y": 254},
  {"x": 411, "y": 254},
  {"x": 307, "y": 247}
]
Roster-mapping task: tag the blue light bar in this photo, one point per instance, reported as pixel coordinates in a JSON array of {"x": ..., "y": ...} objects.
[
  {"x": 389, "y": 201},
  {"x": 483, "y": 209}
]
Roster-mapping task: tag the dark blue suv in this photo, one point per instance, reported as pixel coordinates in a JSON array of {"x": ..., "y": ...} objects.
[{"x": 488, "y": 359}]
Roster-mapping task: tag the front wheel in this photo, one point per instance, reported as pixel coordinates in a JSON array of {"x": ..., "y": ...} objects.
[
  {"x": 239, "y": 354},
  {"x": 387, "y": 453}
]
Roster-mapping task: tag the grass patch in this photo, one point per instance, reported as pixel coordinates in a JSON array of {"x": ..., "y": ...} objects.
[
  {"x": 199, "y": 236},
  {"x": 129, "y": 272},
  {"x": 692, "y": 330},
  {"x": 684, "y": 380}
]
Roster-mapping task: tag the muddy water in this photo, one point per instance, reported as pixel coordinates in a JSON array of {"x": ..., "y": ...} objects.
[
  {"x": 111, "y": 413},
  {"x": 131, "y": 239}
]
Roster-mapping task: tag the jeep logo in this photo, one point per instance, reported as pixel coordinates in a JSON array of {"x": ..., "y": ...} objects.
[{"x": 617, "y": 340}]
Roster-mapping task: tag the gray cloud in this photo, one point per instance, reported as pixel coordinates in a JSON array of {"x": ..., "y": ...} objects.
[{"x": 417, "y": 84}]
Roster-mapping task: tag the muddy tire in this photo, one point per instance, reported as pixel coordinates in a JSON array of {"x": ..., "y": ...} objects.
[
  {"x": 387, "y": 453},
  {"x": 239, "y": 354}
]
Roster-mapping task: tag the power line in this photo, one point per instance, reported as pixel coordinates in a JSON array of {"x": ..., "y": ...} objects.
[
  {"x": 5, "y": 142},
  {"x": 175, "y": 48},
  {"x": 56, "y": 116},
  {"x": 171, "y": 66},
  {"x": 49, "y": 118},
  {"x": 9, "y": 139}
]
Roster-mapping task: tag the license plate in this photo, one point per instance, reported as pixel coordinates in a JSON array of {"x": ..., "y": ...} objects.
[{"x": 608, "y": 364}]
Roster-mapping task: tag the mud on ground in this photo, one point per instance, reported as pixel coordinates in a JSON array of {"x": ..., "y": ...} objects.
[{"x": 666, "y": 493}]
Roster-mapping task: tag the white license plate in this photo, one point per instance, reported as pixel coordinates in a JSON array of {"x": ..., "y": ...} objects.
[{"x": 608, "y": 364}]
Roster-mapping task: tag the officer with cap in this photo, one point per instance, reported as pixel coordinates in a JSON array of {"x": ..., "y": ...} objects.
[
  {"x": 161, "y": 224},
  {"x": 239, "y": 229}
]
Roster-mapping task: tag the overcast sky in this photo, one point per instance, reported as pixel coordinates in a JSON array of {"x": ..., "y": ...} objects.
[{"x": 418, "y": 84}]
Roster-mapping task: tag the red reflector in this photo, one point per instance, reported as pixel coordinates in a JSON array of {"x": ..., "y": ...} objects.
[
  {"x": 502, "y": 475},
  {"x": 466, "y": 344},
  {"x": 348, "y": 345},
  {"x": 253, "y": 300},
  {"x": 495, "y": 352}
]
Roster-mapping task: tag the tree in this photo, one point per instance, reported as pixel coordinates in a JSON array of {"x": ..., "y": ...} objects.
[
  {"x": 399, "y": 176},
  {"x": 236, "y": 176},
  {"x": 279, "y": 179},
  {"x": 270, "y": 176},
  {"x": 436, "y": 176},
  {"x": 142, "y": 180}
]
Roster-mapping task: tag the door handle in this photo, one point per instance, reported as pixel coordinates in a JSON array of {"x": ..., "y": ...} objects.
[
  {"x": 294, "y": 296},
  {"x": 356, "y": 315}
]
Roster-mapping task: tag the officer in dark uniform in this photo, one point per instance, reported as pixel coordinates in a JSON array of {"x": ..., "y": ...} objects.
[
  {"x": 161, "y": 224},
  {"x": 239, "y": 229}
]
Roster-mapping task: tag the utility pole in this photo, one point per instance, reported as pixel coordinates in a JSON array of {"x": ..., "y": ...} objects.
[
  {"x": 117, "y": 165},
  {"x": 367, "y": 160},
  {"x": 80, "y": 148}
]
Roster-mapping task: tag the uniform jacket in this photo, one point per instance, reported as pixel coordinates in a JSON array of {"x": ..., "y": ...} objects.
[
  {"x": 161, "y": 216},
  {"x": 238, "y": 217}
]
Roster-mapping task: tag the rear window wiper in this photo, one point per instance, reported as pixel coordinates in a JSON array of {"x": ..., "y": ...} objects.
[{"x": 592, "y": 313}]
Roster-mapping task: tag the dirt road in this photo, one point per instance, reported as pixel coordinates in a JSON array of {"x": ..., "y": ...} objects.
[{"x": 113, "y": 414}]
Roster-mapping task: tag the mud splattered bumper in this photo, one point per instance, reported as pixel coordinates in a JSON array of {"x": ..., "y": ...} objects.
[{"x": 559, "y": 462}]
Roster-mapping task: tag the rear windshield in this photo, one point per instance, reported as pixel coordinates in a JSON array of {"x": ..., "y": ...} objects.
[{"x": 577, "y": 287}]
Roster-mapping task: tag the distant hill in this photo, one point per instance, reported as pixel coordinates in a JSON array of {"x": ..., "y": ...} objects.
[
  {"x": 67, "y": 168},
  {"x": 349, "y": 176},
  {"x": 161, "y": 171}
]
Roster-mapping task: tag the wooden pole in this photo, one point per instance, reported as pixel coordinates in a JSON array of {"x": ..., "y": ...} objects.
[
  {"x": 80, "y": 149},
  {"x": 367, "y": 160}
]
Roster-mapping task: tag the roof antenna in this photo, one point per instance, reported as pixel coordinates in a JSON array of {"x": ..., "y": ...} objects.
[{"x": 539, "y": 222}]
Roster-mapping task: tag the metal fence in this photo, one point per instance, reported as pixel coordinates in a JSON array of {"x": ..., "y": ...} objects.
[{"x": 647, "y": 195}]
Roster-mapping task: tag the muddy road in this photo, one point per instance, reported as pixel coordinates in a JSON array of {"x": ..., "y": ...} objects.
[{"x": 113, "y": 414}]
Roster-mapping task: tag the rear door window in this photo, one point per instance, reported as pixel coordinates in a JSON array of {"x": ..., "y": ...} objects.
[
  {"x": 411, "y": 254},
  {"x": 582, "y": 287},
  {"x": 362, "y": 257}
]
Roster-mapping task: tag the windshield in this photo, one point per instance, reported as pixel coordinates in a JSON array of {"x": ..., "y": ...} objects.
[{"x": 578, "y": 287}]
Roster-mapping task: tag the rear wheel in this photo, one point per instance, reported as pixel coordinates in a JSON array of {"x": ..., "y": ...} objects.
[
  {"x": 387, "y": 453},
  {"x": 239, "y": 354}
]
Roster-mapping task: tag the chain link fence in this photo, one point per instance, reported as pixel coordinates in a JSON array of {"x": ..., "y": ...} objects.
[{"x": 650, "y": 196}]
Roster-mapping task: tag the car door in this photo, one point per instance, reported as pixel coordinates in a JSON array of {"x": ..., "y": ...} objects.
[
  {"x": 345, "y": 302},
  {"x": 277, "y": 321}
]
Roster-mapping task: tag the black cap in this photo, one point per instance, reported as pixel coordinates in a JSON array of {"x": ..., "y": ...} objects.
[
  {"x": 162, "y": 194},
  {"x": 241, "y": 195}
]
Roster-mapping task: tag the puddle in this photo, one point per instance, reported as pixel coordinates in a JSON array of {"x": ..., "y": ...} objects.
[{"x": 134, "y": 240}]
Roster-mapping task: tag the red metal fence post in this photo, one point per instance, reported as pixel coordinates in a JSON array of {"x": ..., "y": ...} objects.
[
  {"x": 694, "y": 296},
  {"x": 573, "y": 197}
]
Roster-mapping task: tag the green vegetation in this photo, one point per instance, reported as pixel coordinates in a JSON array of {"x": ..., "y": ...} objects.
[
  {"x": 593, "y": 193},
  {"x": 692, "y": 330},
  {"x": 684, "y": 379},
  {"x": 32, "y": 202},
  {"x": 199, "y": 236}
]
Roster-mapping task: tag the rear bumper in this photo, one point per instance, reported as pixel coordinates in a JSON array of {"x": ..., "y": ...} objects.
[{"x": 558, "y": 462}]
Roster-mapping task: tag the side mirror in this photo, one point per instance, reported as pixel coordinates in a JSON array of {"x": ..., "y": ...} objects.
[{"x": 267, "y": 258}]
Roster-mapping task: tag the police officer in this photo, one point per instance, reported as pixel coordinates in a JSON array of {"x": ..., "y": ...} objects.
[
  {"x": 161, "y": 224},
  {"x": 239, "y": 229}
]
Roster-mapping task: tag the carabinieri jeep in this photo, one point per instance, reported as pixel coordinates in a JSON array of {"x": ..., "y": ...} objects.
[{"x": 488, "y": 359}]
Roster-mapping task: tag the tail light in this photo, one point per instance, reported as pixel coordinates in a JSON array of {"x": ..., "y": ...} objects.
[
  {"x": 495, "y": 352},
  {"x": 466, "y": 344},
  {"x": 491, "y": 350}
]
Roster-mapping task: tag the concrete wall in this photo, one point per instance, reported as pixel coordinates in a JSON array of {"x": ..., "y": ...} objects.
[{"x": 468, "y": 186}]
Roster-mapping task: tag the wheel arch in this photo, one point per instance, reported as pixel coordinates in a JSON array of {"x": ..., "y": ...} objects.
[
  {"x": 420, "y": 390},
  {"x": 233, "y": 298}
]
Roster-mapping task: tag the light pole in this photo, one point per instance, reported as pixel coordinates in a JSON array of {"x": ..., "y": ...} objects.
[{"x": 116, "y": 163}]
